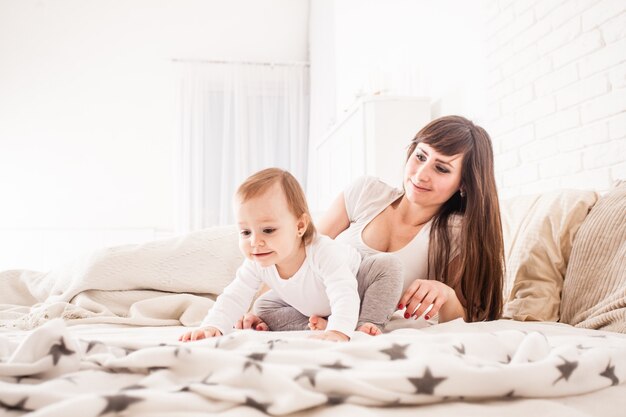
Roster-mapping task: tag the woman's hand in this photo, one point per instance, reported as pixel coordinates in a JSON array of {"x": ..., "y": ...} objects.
[
  {"x": 251, "y": 321},
  {"x": 198, "y": 334},
  {"x": 332, "y": 335},
  {"x": 423, "y": 293}
]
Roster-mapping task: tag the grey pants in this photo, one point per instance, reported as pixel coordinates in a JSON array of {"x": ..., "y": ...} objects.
[{"x": 380, "y": 284}]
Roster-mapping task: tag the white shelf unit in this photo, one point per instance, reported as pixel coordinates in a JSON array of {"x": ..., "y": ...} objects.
[{"x": 372, "y": 139}]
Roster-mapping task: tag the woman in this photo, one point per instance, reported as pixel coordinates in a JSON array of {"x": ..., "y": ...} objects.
[{"x": 444, "y": 226}]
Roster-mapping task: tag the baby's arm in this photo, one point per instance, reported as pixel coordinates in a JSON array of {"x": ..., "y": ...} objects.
[
  {"x": 334, "y": 262},
  {"x": 229, "y": 306},
  {"x": 332, "y": 335},
  {"x": 201, "y": 333},
  {"x": 341, "y": 289}
]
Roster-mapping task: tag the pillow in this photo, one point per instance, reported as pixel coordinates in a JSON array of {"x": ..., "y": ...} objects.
[
  {"x": 538, "y": 234},
  {"x": 594, "y": 292}
]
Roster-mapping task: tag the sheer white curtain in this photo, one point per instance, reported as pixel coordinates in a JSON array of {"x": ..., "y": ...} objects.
[{"x": 235, "y": 119}]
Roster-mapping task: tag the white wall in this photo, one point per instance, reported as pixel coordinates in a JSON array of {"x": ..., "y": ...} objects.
[
  {"x": 395, "y": 47},
  {"x": 323, "y": 71},
  {"x": 87, "y": 111},
  {"x": 557, "y": 93}
]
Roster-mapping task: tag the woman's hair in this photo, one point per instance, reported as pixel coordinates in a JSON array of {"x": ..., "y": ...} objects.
[
  {"x": 481, "y": 254},
  {"x": 258, "y": 183}
]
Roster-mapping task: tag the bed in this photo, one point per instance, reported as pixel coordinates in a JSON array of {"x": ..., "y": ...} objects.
[{"x": 99, "y": 335}]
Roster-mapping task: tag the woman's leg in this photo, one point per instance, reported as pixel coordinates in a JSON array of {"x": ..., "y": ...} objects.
[
  {"x": 278, "y": 315},
  {"x": 380, "y": 283}
]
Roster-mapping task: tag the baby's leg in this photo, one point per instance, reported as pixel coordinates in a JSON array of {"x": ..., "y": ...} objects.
[
  {"x": 278, "y": 315},
  {"x": 317, "y": 323},
  {"x": 380, "y": 287}
]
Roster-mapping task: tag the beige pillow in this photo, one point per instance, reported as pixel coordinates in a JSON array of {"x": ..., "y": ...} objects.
[
  {"x": 538, "y": 235},
  {"x": 594, "y": 292}
]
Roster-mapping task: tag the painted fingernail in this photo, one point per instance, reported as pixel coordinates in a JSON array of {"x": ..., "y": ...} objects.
[
  {"x": 427, "y": 317},
  {"x": 400, "y": 306},
  {"x": 407, "y": 315}
]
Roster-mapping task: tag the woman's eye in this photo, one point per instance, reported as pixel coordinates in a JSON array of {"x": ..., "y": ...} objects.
[
  {"x": 420, "y": 157},
  {"x": 268, "y": 231},
  {"x": 442, "y": 170}
]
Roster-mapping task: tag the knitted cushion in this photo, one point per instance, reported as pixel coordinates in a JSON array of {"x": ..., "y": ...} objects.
[{"x": 594, "y": 291}]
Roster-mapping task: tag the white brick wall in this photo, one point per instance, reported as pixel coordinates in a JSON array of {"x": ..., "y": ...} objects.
[{"x": 557, "y": 93}]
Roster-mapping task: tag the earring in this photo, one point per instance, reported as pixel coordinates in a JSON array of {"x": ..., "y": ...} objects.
[{"x": 462, "y": 193}]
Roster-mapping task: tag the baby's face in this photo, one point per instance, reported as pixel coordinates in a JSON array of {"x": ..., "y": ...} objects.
[{"x": 269, "y": 233}]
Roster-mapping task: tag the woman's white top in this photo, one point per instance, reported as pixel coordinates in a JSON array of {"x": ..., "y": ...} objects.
[
  {"x": 325, "y": 285},
  {"x": 365, "y": 199}
]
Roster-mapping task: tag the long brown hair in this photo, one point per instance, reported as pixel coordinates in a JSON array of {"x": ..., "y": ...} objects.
[
  {"x": 481, "y": 254},
  {"x": 260, "y": 182}
]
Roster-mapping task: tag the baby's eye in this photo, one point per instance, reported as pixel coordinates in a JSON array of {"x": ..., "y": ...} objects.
[
  {"x": 244, "y": 233},
  {"x": 269, "y": 230}
]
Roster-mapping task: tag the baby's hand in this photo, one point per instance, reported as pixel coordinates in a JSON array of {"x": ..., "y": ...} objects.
[
  {"x": 201, "y": 333},
  {"x": 332, "y": 335}
]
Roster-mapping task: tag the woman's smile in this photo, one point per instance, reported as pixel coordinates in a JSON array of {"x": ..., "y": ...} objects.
[{"x": 420, "y": 188}]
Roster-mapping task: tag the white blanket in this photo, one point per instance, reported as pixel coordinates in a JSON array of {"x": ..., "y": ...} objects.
[
  {"x": 54, "y": 373},
  {"x": 166, "y": 282}
]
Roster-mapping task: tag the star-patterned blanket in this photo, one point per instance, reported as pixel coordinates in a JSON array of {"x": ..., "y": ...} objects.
[{"x": 54, "y": 371}]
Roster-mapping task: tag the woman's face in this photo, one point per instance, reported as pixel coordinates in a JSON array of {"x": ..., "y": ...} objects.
[{"x": 431, "y": 178}]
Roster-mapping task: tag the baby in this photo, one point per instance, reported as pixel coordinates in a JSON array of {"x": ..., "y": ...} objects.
[{"x": 307, "y": 272}]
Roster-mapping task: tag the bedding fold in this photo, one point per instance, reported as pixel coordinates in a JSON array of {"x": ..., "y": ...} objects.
[{"x": 164, "y": 282}]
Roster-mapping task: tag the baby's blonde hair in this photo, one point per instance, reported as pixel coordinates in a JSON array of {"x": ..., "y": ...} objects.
[{"x": 258, "y": 183}]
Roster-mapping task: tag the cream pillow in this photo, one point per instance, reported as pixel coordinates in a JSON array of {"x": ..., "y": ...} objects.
[
  {"x": 594, "y": 292},
  {"x": 538, "y": 235}
]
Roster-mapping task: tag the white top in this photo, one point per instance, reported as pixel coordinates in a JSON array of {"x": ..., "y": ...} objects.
[
  {"x": 325, "y": 285},
  {"x": 365, "y": 199}
]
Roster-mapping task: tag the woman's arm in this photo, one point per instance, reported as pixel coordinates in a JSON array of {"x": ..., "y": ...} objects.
[
  {"x": 454, "y": 307},
  {"x": 445, "y": 299},
  {"x": 335, "y": 220}
]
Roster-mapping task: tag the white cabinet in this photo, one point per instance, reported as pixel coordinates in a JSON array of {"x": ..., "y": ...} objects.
[{"x": 372, "y": 139}]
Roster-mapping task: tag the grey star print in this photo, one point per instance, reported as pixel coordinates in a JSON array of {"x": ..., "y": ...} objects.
[
  {"x": 257, "y": 356},
  {"x": 336, "y": 399},
  {"x": 566, "y": 370},
  {"x": 19, "y": 406},
  {"x": 337, "y": 365},
  {"x": 609, "y": 372},
  {"x": 396, "y": 351},
  {"x": 310, "y": 374},
  {"x": 427, "y": 383},
  {"x": 117, "y": 403},
  {"x": 59, "y": 349},
  {"x": 251, "y": 402}
]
